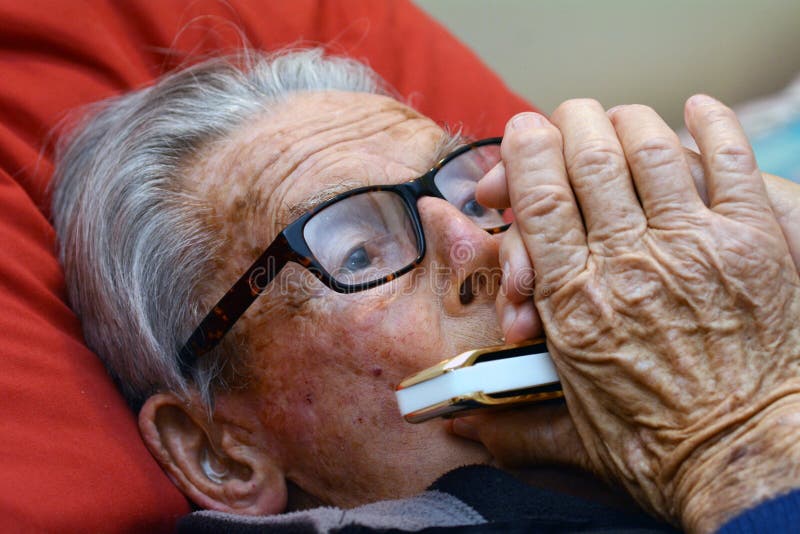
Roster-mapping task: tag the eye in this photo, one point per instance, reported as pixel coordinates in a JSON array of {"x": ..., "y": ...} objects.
[
  {"x": 357, "y": 260},
  {"x": 473, "y": 209}
]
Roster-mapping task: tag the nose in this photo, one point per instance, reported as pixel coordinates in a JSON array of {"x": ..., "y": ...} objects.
[{"x": 461, "y": 258}]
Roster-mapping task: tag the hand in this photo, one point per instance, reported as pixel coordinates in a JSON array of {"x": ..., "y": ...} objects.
[
  {"x": 672, "y": 324},
  {"x": 515, "y": 306}
]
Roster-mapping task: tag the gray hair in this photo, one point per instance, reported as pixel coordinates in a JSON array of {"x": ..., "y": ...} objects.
[{"x": 134, "y": 247}]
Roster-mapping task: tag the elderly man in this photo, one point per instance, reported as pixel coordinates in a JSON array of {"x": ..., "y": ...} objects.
[{"x": 223, "y": 198}]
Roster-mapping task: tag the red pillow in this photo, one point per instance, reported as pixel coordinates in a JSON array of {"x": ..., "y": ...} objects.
[{"x": 70, "y": 454}]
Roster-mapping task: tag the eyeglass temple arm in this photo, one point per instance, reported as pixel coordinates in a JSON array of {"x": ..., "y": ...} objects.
[{"x": 234, "y": 303}]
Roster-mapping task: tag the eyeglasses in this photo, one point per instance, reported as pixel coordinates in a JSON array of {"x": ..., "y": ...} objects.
[{"x": 357, "y": 240}]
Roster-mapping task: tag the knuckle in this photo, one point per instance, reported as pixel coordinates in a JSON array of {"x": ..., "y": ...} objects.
[
  {"x": 631, "y": 109},
  {"x": 598, "y": 159},
  {"x": 632, "y": 115},
  {"x": 541, "y": 201},
  {"x": 655, "y": 153},
  {"x": 641, "y": 108},
  {"x": 530, "y": 143},
  {"x": 718, "y": 114},
  {"x": 732, "y": 158},
  {"x": 573, "y": 106}
]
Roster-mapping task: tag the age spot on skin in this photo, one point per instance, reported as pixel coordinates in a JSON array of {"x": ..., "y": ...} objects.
[{"x": 377, "y": 371}]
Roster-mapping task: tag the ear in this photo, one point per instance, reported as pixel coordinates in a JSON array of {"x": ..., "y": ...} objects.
[{"x": 211, "y": 461}]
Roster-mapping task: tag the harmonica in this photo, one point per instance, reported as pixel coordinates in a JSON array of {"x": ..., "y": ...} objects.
[{"x": 491, "y": 377}]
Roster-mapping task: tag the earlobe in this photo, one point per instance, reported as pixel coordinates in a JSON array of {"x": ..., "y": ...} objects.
[{"x": 208, "y": 459}]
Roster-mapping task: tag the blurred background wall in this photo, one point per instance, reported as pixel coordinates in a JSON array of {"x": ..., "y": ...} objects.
[{"x": 625, "y": 51}]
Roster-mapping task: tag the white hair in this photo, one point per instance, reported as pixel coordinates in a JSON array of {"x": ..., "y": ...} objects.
[{"x": 135, "y": 250}]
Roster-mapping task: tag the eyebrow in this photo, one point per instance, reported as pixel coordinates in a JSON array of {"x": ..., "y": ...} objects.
[
  {"x": 447, "y": 143},
  {"x": 296, "y": 209}
]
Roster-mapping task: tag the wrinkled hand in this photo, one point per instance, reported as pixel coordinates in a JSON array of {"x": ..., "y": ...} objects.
[{"x": 675, "y": 326}]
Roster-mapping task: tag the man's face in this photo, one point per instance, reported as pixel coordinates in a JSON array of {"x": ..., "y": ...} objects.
[{"x": 324, "y": 365}]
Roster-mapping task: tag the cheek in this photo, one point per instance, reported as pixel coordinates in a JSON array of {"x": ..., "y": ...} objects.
[
  {"x": 379, "y": 335},
  {"x": 354, "y": 350},
  {"x": 334, "y": 363}
]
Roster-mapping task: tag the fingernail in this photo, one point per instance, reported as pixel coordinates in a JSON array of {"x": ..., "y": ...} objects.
[
  {"x": 702, "y": 100},
  {"x": 527, "y": 120},
  {"x": 613, "y": 110},
  {"x": 464, "y": 428},
  {"x": 509, "y": 316}
]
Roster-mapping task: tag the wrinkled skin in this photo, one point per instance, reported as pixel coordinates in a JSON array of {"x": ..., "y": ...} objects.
[
  {"x": 315, "y": 410},
  {"x": 674, "y": 325}
]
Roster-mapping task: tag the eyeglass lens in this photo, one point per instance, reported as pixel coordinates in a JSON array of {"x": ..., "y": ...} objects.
[
  {"x": 369, "y": 236},
  {"x": 458, "y": 179},
  {"x": 363, "y": 238}
]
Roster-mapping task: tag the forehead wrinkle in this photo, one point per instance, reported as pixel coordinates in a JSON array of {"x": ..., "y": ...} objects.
[
  {"x": 233, "y": 176},
  {"x": 246, "y": 147},
  {"x": 445, "y": 145},
  {"x": 265, "y": 163},
  {"x": 304, "y": 163}
]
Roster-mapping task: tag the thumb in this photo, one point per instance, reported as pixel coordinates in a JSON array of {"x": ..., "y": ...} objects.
[{"x": 539, "y": 434}]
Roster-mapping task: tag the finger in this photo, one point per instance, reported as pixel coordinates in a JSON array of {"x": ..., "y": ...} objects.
[
  {"x": 698, "y": 173},
  {"x": 734, "y": 183},
  {"x": 518, "y": 273},
  {"x": 783, "y": 197},
  {"x": 539, "y": 434},
  {"x": 492, "y": 190},
  {"x": 519, "y": 320},
  {"x": 599, "y": 174},
  {"x": 657, "y": 162},
  {"x": 544, "y": 206}
]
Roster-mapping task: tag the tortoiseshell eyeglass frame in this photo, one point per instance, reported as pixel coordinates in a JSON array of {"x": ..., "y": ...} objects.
[{"x": 290, "y": 245}]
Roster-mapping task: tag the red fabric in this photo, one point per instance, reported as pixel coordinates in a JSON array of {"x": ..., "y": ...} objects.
[{"x": 70, "y": 455}]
